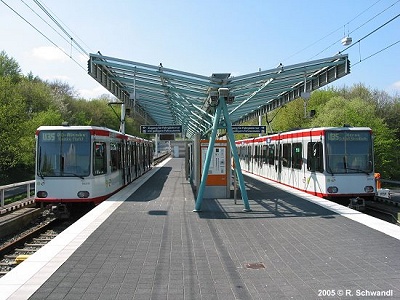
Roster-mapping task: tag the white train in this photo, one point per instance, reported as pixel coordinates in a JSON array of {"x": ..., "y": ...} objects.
[
  {"x": 328, "y": 162},
  {"x": 86, "y": 164}
]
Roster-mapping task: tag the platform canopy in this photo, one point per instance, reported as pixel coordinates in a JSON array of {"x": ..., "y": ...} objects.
[{"x": 165, "y": 96}]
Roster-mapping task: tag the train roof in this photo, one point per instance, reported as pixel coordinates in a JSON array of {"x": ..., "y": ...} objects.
[
  {"x": 74, "y": 127},
  {"x": 95, "y": 129},
  {"x": 313, "y": 131}
]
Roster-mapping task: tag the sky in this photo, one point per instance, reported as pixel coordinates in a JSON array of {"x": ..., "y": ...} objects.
[{"x": 202, "y": 37}]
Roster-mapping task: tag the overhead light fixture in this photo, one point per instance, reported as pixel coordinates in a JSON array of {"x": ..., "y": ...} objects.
[{"x": 346, "y": 41}]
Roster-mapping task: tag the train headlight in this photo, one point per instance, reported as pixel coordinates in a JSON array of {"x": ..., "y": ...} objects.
[
  {"x": 83, "y": 194},
  {"x": 41, "y": 194},
  {"x": 369, "y": 189},
  {"x": 333, "y": 189}
]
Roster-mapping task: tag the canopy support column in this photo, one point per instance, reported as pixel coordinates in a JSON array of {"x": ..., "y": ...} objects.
[
  {"x": 221, "y": 108},
  {"x": 235, "y": 155}
]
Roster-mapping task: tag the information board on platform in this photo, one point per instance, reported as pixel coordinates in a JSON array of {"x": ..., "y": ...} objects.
[
  {"x": 218, "y": 169},
  {"x": 249, "y": 129},
  {"x": 153, "y": 129}
]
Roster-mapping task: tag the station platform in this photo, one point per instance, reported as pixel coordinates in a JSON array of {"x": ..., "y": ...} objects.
[{"x": 147, "y": 243}]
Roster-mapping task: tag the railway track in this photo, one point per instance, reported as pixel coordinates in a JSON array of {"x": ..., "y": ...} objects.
[
  {"x": 19, "y": 246},
  {"x": 382, "y": 214},
  {"x": 161, "y": 157}
]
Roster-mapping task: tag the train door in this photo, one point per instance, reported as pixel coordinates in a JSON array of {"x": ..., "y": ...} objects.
[
  {"x": 278, "y": 152},
  {"x": 135, "y": 159},
  {"x": 140, "y": 158},
  {"x": 253, "y": 158},
  {"x": 248, "y": 158},
  {"x": 128, "y": 161},
  {"x": 270, "y": 169},
  {"x": 260, "y": 158},
  {"x": 315, "y": 167},
  {"x": 143, "y": 160},
  {"x": 123, "y": 163}
]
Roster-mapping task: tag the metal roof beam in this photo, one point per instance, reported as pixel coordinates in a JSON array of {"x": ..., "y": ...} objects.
[{"x": 166, "y": 95}]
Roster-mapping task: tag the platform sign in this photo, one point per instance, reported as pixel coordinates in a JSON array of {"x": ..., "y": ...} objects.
[
  {"x": 166, "y": 129},
  {"x": 249, "y": 129}
]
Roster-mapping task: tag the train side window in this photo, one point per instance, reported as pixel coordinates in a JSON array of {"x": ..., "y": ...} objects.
[
  {"x": 287, "y": 155},
  {"x": 297, "y": 155},
  {"x": 265, "y": 154},
  {"x": 256, "y": 154},
  {"x": 120, "y": 156},
  {"x": 271, "y": 154},
  {"x": 115, "y": 152},
  {"x": 99, "y": 158},
  {"x": 315, "y": 157},
  {"x": 129, "y": 154},
  {"x": 134, "y": 154}
]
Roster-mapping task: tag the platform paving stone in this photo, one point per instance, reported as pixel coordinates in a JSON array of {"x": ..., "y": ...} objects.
[{"x": 155, "y": 247}]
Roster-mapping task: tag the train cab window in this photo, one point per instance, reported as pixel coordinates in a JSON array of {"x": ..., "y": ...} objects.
[
  {"x": 349, "y": 152},
  {"x": 315, "y": 157},
  {"x": 63, "y": 153},
  {"x": 99, "y": 158},
  {"x": 287, "y": 155},
  {"x": 297, "y": 155}
]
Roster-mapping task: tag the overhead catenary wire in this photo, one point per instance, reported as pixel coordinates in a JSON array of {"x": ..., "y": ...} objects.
[
  {"x": 43, "y": 8},
  {"x": 73, "y": 41},
  {"x": 359, "y": 28},
  {"x": 42, "y": 34},
  {"x": 76, "y": 36},
  {"x": 67, "y": 40},
  {"x": 332, "y": 32},
  {"x": 377, "y": 52},
  {"x": 373, "y": 31}
]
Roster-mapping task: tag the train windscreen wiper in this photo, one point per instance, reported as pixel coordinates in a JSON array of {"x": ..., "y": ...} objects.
[
  {"x": 358, "y": 170},
  {"x": 74, "y": 174}
]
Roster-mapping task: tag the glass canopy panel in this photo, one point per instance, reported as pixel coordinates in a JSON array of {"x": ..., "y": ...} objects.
[{"x": 169, "y": 97}]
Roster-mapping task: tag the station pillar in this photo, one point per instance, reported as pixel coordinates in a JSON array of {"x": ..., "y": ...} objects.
[{"x": 210, "y": 152}]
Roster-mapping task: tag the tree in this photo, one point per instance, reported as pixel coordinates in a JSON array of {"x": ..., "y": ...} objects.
[
  {"x": 12, "y": 113},
  {"x": 289, "y": 116},
  {"x": 9, "y": 67},
  {"x": 36, "y": 94}
]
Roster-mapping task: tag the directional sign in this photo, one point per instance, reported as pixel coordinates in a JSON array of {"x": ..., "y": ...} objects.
[
  {"x": 152, "y": 129},
  {"x": 249, "y": 129}
]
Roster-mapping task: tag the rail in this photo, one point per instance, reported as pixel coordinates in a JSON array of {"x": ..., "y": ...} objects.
[
  {"x": 9, "y": 187},
  {"x": 390, "y": 181}
]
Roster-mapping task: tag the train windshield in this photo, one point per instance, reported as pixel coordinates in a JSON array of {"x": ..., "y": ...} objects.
[
  {"x": 63, "y": 153},
  {"x": 349, "y": 152}
]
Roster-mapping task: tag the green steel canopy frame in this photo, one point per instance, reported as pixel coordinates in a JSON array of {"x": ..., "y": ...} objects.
[
  {"x": 169, "y": 97},
  {"x": 165, "y": 96}
]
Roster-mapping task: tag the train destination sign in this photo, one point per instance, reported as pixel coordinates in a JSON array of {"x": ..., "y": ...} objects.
[
  {"x": 355, "y": 136},
  {"x": 153, "y": 129},
  {"x": 73, "y": 136},
  {"x": 249, "y": 129}
]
